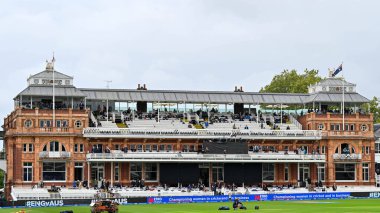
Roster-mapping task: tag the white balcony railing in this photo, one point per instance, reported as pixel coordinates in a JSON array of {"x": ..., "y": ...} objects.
[
  {"x": 55, "y": 154},
  {"x": 199, "y": 157},
  {"x": 200, "y": 133},
  {"x": 347, "y": 156}
]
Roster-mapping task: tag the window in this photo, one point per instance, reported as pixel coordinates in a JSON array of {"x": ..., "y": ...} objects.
[
  {"x": 28, "y": 123},
  {"x": 345, "y": 149},
  {"x": 58, "y": 123},
  {"x": 36, "y": 81},
  {"x": 162, "y": 147},
  {"x": 28, "y": 147},
  {"x": 377, "y": 147},
  {"x": 77, "y": 124},
  {"x": 117, "y": 146},
  {"x": 116, "y": 171},
  {"x": 148, "y": 148},
  {"x": 77, "y": 147},
  {"x": 322, "y": 150},
  {"x": 364, "y": 127},
  {"x": 136, "y": 171},
  {"x": 321, "y": 172},
  {"x": 320, "y": 126},
  {"x": 365, "y": 172},
  {"x": 367, "y": 150},
  {"x": 155, "y": 148},
  {"x": 286, "y": 172},
  {"x": 54, "y": 146},
  {"x": 345, "y": 172},
  {"x": 169, "y": 148},
  {"x": 335, "y": 127},
  {"x": 139, "y": 147},
  {"x": 217, "y": 172},
  {"x": 185, "y": 148},
  {"x": 31, "y": 148},
  {"x": 65, "y": 123},
  {"x": 54, "y": 171},
  {"x": 45, "y": 123},
  {"x": 349, "y": 127},
  {"x": 63, "y": 149},
  {"x": 268, "y": 172},
  {"x": 27, "y": 171},
  {"x": 67, "y": 82},
  {"x": 150, "y": 171}
]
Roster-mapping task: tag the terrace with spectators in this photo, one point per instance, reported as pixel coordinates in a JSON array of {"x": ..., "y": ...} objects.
[{"x": 22, "y": 193}]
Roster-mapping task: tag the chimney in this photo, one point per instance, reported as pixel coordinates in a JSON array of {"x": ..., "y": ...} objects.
[
  {"x": 241, "y": 89},
  {"x": 144, "y": 86},
  {"x": 235, "y": 88},
  {"x": 138, "y": 86}
]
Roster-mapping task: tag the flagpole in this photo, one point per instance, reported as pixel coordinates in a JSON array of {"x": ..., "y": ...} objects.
[
  {"x": 343, "y": 98},
  {"x": 53, "y": 92},
  {"x": 343, "y": 101}
]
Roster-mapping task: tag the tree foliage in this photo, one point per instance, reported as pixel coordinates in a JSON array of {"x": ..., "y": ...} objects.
[
  {"x": 292, "y": 82},
  {"x": 374, "y": 108}
]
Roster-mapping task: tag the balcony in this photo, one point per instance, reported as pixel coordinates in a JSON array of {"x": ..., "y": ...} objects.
[
  {"x": 119, "y": 156},
  {"x": 201, "y": 133},
  {"x": 44, "y": 131},
  {"x": 352, "y": 134},
  {"x": 347, "y": 157},
  {"x": 56, "y": 155}
]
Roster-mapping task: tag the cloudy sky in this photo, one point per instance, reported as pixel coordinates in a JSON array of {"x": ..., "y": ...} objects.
[{"x": 180, "y": 44}]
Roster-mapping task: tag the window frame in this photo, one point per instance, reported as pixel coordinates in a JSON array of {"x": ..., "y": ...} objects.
[{"x": 27, "y": 166}]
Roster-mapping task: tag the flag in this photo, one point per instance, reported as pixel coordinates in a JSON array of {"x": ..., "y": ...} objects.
[{"x": 340, "y": 68}]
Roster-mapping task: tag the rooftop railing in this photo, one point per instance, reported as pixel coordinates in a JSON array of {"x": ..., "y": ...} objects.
[{"x": 200, "y": 133}]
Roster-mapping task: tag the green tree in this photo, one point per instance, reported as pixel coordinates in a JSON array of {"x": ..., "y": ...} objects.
[
  {"x": 292, "y": 82},
  {"x": 374, "y": 108},
  {"x": 1, "y": 179}
]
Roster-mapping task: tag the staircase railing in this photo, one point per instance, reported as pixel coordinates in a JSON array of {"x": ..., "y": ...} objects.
[{"x": 295, "y": 122}]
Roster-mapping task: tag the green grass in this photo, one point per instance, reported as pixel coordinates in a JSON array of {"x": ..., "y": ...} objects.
[{"x": 321, "y": 206}]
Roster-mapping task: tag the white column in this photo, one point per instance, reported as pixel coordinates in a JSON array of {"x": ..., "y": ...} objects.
[
  {"x": 112, "y": 174},
  {"x": 72, "y": 103},
  {"x": 107, "y": 110},
  {"x": 85, "y": 103},
  {"x": 158, "y": 113},
  {"x": 88, "y": 173},
  {"x": 281, "y": 113},
  {"x": 31, "y": 104}
]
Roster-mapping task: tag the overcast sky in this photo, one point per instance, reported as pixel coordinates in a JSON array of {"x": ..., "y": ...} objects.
[{"x": 179, "y": 44}]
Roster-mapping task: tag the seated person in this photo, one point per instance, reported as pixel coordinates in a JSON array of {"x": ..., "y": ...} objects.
[{"x": 238, "y": 205}]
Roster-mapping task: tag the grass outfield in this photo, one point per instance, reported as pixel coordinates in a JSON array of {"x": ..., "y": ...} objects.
[{"x": 322, "y": 206}]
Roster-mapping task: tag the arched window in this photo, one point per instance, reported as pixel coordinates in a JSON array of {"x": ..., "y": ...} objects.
[
  {"x": 345, "y": 148},
  {"x": 53, "y": 146}
]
